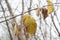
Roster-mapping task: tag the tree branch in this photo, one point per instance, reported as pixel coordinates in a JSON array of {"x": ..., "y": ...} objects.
[
  {"x": 54, "y": 24},
  {"x": 10, "y": 10},
  {"x": 6, "y": 23}
]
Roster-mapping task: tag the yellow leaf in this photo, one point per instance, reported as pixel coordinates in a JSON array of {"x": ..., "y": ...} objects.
[
  {"x": 31, "y": 29},
  {"x": 30, "y": 24},
  {"x": 25, "y": 19},
  {"x": 50, "y": 7},
  {"x": 49, "y": 2},
  {"x": 38, "y": 11},
  {"x": 16, "y": 29}
]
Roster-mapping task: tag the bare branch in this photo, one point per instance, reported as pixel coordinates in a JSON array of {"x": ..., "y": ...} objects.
[
  {"x": 6, "y": 23},
  {"x": 10, "y": 10},
  {"x": 30, "y": 6},
  {"x": 54, "y": 24}
]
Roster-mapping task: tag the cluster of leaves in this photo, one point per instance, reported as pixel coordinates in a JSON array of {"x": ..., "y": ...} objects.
[
  {"x": 45, "y": 11},
  {"x": 29, "y": 23}
]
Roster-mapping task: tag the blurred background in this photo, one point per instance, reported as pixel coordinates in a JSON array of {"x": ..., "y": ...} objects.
[{"x": 11, "y": 12}]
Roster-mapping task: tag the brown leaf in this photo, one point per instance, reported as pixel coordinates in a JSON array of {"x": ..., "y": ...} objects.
[{"x": 44, "y": 12}]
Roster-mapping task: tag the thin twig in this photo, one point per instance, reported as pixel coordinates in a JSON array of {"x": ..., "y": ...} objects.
[
  {"x": 54, "y": 24},
  {"x": 30, "y": 6},
  {"x": 40, "y": 27},
  {"x": 17, "y": 15}
]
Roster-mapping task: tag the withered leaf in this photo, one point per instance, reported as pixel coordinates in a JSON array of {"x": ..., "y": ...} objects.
[
  {"x": 44, "y": 12},
  {"x": 38, "y": 11}
]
